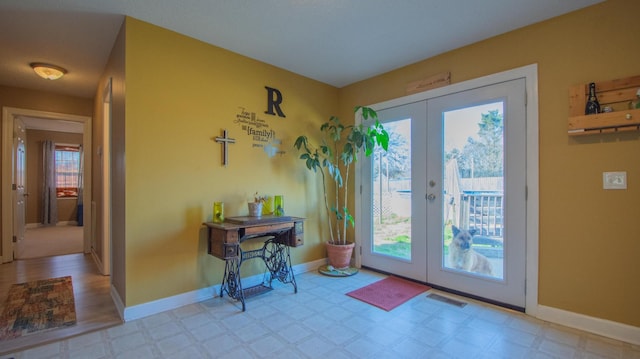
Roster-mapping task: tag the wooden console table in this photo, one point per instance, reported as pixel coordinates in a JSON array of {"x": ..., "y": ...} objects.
[{"x": 224, "y": 243}]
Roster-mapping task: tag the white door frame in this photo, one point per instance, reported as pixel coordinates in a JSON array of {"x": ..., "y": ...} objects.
[
  {"x": 105, "y": 261},
  {"x": 8, "y": 114},
  {"x": 503, "y": 287},
  {"x": 530, "y": 74}
]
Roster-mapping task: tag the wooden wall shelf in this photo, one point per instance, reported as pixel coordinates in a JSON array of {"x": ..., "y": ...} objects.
[{"x": 616, "y": 94}]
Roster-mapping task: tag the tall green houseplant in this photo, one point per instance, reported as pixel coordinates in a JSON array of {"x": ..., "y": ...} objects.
[{"x": 334, "y": 157}]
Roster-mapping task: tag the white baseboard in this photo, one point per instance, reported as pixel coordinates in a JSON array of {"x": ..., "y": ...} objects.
[
  {"x": 98, "y": 261},
  {"x": 195, "y": 296},
  {"x": 164, "y": 304},
  {"x": 117, "y": 301},
  {"x": 603, "y": 327}
]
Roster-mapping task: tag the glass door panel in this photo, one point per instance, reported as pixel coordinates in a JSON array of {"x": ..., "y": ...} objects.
[
  {"x": 392, "y": 193},
  {"x": 473, "y": 181},
  {"x": 476, "y": 171},
  {"x": 392, "y": 196}
]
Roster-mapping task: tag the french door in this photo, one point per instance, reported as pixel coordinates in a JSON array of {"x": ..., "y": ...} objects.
[
  {"x": 19, "y": 180},
  {"x": 476, "y": 188},
  {"x": 446, "y": 204},
  {"x": 395, "y": 233}
]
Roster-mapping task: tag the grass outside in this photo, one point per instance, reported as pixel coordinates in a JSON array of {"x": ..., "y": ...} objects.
[
  {"x": 399, "y": 245},
  {"x": 393, "y": 237}
]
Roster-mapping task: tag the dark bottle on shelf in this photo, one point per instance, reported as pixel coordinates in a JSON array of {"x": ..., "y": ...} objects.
[{"x": 593, "y": 106}]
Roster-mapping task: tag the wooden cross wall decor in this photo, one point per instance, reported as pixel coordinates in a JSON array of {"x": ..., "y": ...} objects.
[{"x": 225, "y": 141}]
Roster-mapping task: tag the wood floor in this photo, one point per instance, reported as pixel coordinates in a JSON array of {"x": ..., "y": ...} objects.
[
  {"x": 50, "y": 241},
  {"x": 94, "y": 306}
]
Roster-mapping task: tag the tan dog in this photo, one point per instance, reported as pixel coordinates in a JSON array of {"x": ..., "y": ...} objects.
[{"x": 463, "y": 257}]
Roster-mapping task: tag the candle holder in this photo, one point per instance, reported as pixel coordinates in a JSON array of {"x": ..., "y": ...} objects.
[
  {"x": 278, "y": 205},
  {"x": 267, "y": 205},
  {"x": 218, "y": 212}
]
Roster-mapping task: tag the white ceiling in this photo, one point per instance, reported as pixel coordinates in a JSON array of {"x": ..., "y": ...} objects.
[{"x": 337, "y": 42}]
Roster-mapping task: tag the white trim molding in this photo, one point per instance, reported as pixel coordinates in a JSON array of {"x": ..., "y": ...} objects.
[
  {"x": 603, "y": 327},
  {"x": 117, "y": 301},
  {"x": 169, "y": 303},
  {"x": 157, "y": 306}
]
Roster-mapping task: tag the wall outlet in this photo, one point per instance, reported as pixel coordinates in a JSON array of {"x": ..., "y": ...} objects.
[{"x": 614, "y": 180}]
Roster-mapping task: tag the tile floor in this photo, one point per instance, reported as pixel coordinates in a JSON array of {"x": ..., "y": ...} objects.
[{"x": 320, "y": 321}]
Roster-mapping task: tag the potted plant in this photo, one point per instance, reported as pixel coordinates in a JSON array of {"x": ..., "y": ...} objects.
[
  {"x": 333, "y": 157},
  {"x": 255, "y": 207}
]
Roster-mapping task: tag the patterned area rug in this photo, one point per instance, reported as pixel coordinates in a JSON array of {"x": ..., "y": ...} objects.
[
  {"x": 389, "y": 293},
  {"x": 37, "y": 306}
]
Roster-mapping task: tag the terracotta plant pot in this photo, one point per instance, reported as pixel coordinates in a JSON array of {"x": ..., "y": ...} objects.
[{"x": 339, "y": 254}]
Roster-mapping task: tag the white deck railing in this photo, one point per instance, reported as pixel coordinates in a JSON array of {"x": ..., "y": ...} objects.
[{"x": 482, "y": 211}]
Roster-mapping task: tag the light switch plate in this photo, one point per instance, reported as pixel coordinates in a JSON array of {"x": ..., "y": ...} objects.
[{"x": 614, "y": 180}]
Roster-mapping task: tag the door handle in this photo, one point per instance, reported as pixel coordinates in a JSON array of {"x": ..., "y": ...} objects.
[{"x": 431, "y": 196}]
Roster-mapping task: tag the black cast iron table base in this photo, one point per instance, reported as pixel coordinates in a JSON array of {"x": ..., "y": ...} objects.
[{"x": 278, "y": 262}]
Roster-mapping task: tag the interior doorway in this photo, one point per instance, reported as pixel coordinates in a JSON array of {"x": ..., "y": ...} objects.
[
  {"x": 95, "y": 308},
  {"x": 51, "y": 121}
]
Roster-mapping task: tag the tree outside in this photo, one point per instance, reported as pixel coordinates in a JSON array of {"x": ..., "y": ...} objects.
[{"x": 479, "y": 156}]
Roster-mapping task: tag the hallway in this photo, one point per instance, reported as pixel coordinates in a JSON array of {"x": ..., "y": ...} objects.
[
  {"x": 94, "y": 307},
  {"x": 50, "y": 241}
]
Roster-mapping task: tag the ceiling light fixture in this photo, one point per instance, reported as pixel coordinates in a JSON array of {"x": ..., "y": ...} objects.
[{"x": 46, "y": 71}]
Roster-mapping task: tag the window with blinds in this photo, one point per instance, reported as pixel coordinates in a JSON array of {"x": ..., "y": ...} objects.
[{"x": 67, "y": 170}]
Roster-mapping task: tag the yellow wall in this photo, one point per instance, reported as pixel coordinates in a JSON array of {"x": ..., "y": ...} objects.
[
  {"x": 589, "y": 245},
  {"x": 44, "y": 101},
  {"x": 180, "y": 94}
]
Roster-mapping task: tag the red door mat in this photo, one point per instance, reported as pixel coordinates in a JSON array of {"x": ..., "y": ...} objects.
[{"x": 389, "y": 293}]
